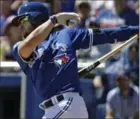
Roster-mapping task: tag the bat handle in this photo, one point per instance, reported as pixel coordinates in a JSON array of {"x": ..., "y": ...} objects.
[{"x": 85, "y": 71}]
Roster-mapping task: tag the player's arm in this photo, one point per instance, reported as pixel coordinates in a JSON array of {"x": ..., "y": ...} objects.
[
  {"x": 117, "y": 34},
  {"x": 27, "y": 46},
  {"x": 84, "y": 38}
]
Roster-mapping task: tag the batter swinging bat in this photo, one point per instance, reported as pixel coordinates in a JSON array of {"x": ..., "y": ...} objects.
[{"x": 87, "y": 69}]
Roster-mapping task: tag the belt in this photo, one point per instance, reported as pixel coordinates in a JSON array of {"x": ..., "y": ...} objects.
[{"x": 49, "y": 103}]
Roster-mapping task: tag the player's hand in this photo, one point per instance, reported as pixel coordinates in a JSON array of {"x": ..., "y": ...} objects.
[{"x": 64, "y": 17}]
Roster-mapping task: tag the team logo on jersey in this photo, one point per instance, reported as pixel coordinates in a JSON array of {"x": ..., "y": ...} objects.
[
  {"x": 61, "y": 58},
  {"x": 61, "y": 61},
  {"x": 60, "y": 46}
]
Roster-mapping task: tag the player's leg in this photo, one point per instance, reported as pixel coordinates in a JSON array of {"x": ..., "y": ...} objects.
[
  {"x": 51, "y": 112},
  {"x": 76, "y": 107}
]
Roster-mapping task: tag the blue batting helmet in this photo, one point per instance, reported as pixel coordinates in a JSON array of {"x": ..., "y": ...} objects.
[{"x": 37, "y": 13}]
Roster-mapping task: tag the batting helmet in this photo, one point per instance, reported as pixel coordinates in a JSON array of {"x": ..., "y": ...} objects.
[{"x": 37, "y": 13}]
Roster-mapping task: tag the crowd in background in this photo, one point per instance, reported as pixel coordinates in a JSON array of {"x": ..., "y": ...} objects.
[{"x": 94, "y": 14}]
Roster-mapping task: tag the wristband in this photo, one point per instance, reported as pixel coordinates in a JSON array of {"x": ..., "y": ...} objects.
[{"x": 53, "y": 19}]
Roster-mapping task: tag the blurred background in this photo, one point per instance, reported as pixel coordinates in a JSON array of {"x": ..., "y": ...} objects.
[{"x": 17, "y": 97}]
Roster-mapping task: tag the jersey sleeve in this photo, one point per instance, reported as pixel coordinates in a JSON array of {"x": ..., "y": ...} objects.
[
  {"x": 80, "y": 38},
  {"x": 24, "y": 64},
  {"x": 116, "y": 34},
  {"x": 85, "y": 38}
]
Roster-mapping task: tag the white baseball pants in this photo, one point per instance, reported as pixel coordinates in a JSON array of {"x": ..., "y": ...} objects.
[{"x": 73, "y": 106}]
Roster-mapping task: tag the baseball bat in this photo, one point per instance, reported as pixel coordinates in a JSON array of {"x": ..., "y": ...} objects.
[{"x": 92, "y": 66}]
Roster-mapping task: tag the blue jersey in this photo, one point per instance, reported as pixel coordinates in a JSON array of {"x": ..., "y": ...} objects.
[{"x": 53, "y": 66}]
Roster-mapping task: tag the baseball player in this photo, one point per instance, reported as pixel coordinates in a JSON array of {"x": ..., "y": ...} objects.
[{"x": 49, "y": 58}]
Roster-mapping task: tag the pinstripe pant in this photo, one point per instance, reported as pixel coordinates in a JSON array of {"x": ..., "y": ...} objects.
[{"x": 73, "y": 106}]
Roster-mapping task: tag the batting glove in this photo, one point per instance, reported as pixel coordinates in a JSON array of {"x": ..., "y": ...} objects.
[{"x": 64, "y": 17}]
